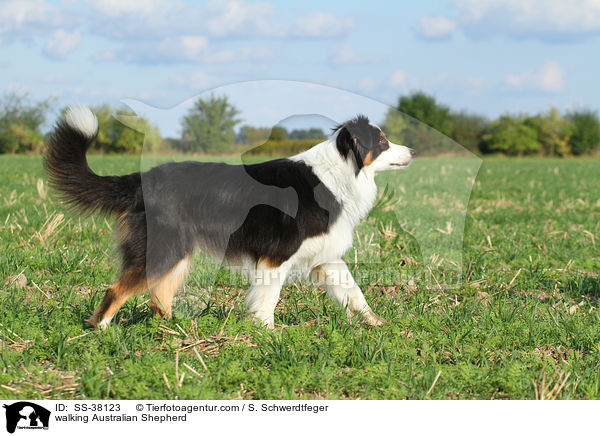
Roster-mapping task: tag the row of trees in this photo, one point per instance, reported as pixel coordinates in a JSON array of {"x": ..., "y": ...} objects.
[
  {"x": 21, "y": 123},
  {"x": 250, "y": 135},
  {"x": 209, "y": 127},
  {"x": 547, "y": 133}
]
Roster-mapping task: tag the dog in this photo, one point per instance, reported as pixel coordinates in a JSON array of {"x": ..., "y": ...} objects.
[{"x": 278, "y": 219}]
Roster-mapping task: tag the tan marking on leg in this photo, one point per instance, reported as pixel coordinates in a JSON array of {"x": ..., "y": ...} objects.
[
  {"x": 131, "y": 282},
  {"x": 267, "y": 262},
  {"x": 166, "y": 287},
  {"x": 318, "y": 275}
]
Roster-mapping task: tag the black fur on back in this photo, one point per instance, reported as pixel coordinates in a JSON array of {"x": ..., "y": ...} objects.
[
  {"x": 267, "y": 231},
  {"x": 260, "y": 211}
]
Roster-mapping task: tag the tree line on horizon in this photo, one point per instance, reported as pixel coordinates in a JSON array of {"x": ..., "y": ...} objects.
[
  {"x": 209, "y": 127},
  {"x": 548, "y": 133}
]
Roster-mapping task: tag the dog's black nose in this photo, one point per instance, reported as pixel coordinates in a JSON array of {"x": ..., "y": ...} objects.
[{"x": 412, "y": 152}]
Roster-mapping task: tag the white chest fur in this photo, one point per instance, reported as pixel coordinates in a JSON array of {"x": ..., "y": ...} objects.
[{"x": 356, "y": 195}]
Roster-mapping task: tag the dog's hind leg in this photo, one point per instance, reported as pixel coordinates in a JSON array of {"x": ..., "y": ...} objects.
[
  {"x": 341, "y": 287},
  {"x": 264, "y": 293},
  {"x": 166, "y": 287},
  {"x": 132, "y": 281}
]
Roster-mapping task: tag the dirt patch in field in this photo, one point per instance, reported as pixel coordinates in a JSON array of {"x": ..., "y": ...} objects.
[
  {"x": 559, "y": 354},
  {"x": 60, "y": 384}
]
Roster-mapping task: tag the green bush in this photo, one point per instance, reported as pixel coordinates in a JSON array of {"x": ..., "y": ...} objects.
[
  {"x": 121, "y": 131},
  {"x": 20, "y": 124},
  {"x": 511, "y": 135},
  {"x": 586, "y": 131}
]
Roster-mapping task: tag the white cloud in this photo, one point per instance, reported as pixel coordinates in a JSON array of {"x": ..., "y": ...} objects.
[
  {"x": 323, "y": 25},
  {"x": 153, "y": 19},
  {"x": 149, "y": 31},
  {"x": 117, "y": 8},
  {"x": 186, "y": 48},
  {"x": 435, "y": 28},
  {"x": 347, "y": 54},
  {"x": 62, "y": 43},
  {"x": 367, "y": 84},
  {"x": 29, "y": 18},
  {"x": 152, "y": 29},
  {"x": 243, "y": 54},
  {"x": 106, "y": 54},
  {"x": 155, "y": 31},
  {"x": 197, "y": 81},
  {"x": 238, "y": 17},
  {"x": 551, "y": 77},
  {"x": 517, "y": 80},
  {"x": 547, "y": 20},
  {"x": 398, "y": 78},
  {"x": 189, "y": 48}
]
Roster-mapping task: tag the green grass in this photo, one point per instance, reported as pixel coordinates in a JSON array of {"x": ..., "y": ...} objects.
[{"x": 523, "y": 323}]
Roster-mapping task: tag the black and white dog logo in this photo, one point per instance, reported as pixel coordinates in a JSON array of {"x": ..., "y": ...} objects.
[{"x": 26, "y": 415}]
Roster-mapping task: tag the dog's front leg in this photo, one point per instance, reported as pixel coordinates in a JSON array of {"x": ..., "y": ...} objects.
[
  {"x": 264, "y": 293},
  {"x": 341, "y": 287}
]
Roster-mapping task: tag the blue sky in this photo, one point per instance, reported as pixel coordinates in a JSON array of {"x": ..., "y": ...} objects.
[{"x": 489, "y": 57}]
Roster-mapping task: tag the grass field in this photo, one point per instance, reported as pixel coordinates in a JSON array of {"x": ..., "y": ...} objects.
[{"x": 523, "y": 324}]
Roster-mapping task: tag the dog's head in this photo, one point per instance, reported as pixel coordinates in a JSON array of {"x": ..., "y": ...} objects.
[{"x": 365, "y": 145}]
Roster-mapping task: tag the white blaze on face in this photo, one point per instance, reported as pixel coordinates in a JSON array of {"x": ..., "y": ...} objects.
[{"x": 394, "y": 158}]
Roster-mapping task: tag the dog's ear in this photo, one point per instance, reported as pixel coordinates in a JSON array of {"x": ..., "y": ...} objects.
[{"x": 347, "y": 144}]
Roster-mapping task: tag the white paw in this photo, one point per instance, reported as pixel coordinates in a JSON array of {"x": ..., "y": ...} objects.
[
  {"x": 265, "y": 320},
  {"x": 372, "y": 319},
  {"x": 103, "y": 325}
]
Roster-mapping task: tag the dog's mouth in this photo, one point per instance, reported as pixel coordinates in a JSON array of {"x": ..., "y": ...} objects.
[{"x": 400, "y": 165}]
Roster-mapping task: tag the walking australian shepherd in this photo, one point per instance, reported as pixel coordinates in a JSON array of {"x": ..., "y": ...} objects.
[{"x": 278, "y": 219}]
